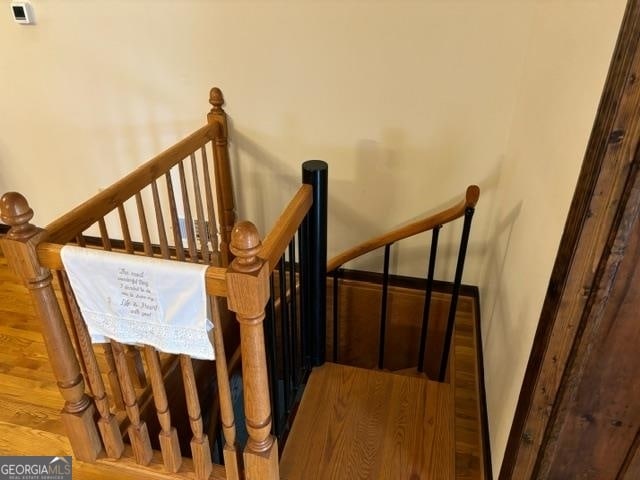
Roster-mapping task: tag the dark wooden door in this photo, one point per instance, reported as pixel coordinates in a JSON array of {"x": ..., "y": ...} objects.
[{"x": 578, "y": 415}]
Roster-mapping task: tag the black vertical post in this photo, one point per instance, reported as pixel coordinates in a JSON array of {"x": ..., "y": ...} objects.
[
  {"x": 293, "y": 313},
  {"x": 336, "y": 336},
  {"x": 427, "y": 297},
  {"x": 315, "y": 173},
  {"x": 272, "y": 363},
  {"x": 305, "y": 333},
  {"x": 285, "y": 335},
  {"x": 444, "y": 360},
  {"x": 383, "y": 308}
]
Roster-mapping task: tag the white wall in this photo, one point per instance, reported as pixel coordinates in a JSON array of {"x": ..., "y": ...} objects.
[{"x": 409, "y": 102}]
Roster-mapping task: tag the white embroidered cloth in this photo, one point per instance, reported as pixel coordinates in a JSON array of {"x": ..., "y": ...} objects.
[{"x": 141, "y": 300}]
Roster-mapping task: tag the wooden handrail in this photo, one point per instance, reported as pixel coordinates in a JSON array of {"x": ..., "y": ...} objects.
[
  {"x": 215, "y": 277},
  {"x": 286, "y": 226},
  {"x": 445, "y": 216},
  {"x": 83, "y": 216}
]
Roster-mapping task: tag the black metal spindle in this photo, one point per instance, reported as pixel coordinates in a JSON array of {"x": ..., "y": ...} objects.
[
  {"x": 315, "y": 173},
  {"x": 383, "y": 308},
  {"x": 305, "y": 331},
  {"x": 284, "y": 334},
  {"x": 468, "y": 216},
  {"x": 293, "y": 312},
  {"x": 427, "y": 296},
  {"x": 272, "y": 365},
  {"x": 336, "y": 336}
]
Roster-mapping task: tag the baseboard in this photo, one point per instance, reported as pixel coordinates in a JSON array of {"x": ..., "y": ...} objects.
[
  {"x": 408, "y": 282},
  {"x": 484, "y": 417}
]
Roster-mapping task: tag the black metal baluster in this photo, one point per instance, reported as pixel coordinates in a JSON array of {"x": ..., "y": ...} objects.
[
  {"x": 293, "y": 312},
  {"x": 272, "y": 365},
  {"x": 383, "y": 308},
  {"x": 315, "y": 173},
  {"x": 427, "y": 296},
  {"x": 284, "y": 334},
  {"x": 305, "y": 331},
  {"x": 336, "y": 336},
  {"x": 468, "y": 216}
]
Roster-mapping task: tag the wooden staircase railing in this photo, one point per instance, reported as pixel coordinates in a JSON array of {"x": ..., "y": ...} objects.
[{"x": 464, "y": 208}]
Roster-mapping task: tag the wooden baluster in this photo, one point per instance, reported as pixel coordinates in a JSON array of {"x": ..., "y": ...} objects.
[
  {"x": 175, "y": 225},
  {"x": 112, "y": 376},
  {"x": 204, "y": 233},
  {"x": 162, "y": 233},
  {"x": 248, "y": 294},
  {"x": 200, "y": 450},
  {"x": 213, "y": 231},
  {"x": 114, "y": 380},
  {"x": 138, "y": 433},
  {"x": 71, "y": 325},
  {"x": 80, "y": 240},
  {"x": 169, "y": 443},
  {"x": 188, "y": 219},
  {"x": 230, "y": 451},
  {"x": 20, "y": 249},
  {"x": 124, "y": 227},
  {"x": 104, "y": 235},
  {"x": 134, "y": 359},
  {"x": 107, "y": 424},
  {"x": 144, "y": 229},
  {"x": 222, "y": 168}
]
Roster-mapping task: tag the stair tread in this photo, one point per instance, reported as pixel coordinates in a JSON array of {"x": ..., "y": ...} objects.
[{"x": 357, "y": 423}]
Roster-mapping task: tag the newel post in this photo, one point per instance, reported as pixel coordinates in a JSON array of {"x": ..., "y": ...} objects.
[
  {"x": 222, "y": 167},
  {"x": 19, "y": 247},
  {"x": 248, "y": 294}
]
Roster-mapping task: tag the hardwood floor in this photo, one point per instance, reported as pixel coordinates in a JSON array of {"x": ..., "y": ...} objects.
[
  {"x": 30, "y": 402},
  {"x": 357, "y": 423}
]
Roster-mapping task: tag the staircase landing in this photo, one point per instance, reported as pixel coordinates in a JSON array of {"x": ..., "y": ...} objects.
[{"x": 356, "y": 423}]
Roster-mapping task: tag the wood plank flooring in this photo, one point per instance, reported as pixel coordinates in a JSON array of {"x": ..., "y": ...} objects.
[{"x": 357, "y": 423}]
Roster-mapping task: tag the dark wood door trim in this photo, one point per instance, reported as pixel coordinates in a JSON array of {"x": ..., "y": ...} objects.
[{"x": 586, "y": 262}]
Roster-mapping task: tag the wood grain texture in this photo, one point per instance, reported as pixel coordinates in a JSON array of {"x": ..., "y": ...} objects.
[
  {"x": 594, "y": 211},
  {"x": 470, "y": 200},
  {"x": 598, "y": 410},
  {"x": 356, "y": 423},
  {"x": 286, "y": 226}
]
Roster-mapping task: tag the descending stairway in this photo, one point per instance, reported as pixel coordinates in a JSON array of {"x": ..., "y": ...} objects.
[{"x": 367, "y": 424}]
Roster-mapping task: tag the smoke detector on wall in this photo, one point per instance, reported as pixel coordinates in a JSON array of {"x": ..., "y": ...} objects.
[{"x": 22, "y": 12}]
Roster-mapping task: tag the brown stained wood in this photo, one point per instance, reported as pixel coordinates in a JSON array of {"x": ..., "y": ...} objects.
[
  {"x": 188, "y": 219},
  {"x": 82, "y": 217},
  {"x": 138, "y": 434},
  {"x": 107, "y": 424},
  {"x": 286, "y": 226},
  {"x": 200, "y": 450},
  {"x": 598, "y": 412},
  {"x": 631, "y": 468},
  {"x": 445, "y": 216},
  {"x": 175, "y": 225},
  {"x": 576, "y": 279},
  {"x": 356, "y": 423},
  {"x": 217, "y": 118},
  {"x": 124, "y": 228},
  {"x": 201, "y": 221},
  {"x": 213, "y": 233},
  {"x": 144, "y": 229},
  {"x": 19, "y": 247},
  {"x": 224, "y": 395},
  {"x": 104, "y": 234},
  {"x": 162, "y": 232},
  {"x": 248, "y": 293},
  {"x": 168, "y": 436}
]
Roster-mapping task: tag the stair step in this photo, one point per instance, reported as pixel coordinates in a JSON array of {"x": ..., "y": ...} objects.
[{"x": 357, "y": 423}]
